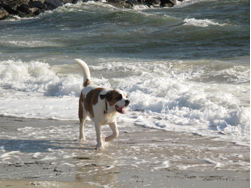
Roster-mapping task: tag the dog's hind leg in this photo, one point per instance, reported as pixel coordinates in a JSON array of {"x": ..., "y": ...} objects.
[
  {"x": 82, "y": 130},
  {"x": 82, "y": 118},
  {"x": 115, "y": 132}
]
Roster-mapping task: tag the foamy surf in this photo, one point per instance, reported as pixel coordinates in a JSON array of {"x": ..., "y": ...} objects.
[
  {"x": 201, "y": 22},
  {"x": 37, "y": 77},
  {"x": 163, "y": 95}
]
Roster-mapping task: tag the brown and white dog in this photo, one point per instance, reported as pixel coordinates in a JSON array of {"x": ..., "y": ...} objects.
[{"x": 101, "y": 105}]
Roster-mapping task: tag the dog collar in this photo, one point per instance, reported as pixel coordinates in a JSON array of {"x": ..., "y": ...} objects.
[{"x": 105, "y": 112}]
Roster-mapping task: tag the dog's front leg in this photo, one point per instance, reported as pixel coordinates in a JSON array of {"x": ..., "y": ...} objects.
[
  {"x": 99, "y": 137},
  {"x": 115, "y": 132}
]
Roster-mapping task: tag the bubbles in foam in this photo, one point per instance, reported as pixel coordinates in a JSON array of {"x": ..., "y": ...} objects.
[
  {"x": 173, "y": 97},
  {"x": 37, "y": 77}
]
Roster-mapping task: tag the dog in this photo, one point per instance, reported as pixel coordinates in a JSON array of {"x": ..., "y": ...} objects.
[{"x": 103, "y": 106}]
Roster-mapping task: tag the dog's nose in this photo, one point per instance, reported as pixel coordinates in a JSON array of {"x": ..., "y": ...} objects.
[{"x": 127, "y": 102}]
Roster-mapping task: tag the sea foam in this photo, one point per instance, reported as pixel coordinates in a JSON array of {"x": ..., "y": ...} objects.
[
  {"x": 163, "y": 95},
  {"x": 37, "y": 77},
  {"x": 200, "y": 22}
]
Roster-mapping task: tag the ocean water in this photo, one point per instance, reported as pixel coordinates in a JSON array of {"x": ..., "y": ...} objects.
[{"x": 185, "y": 68}]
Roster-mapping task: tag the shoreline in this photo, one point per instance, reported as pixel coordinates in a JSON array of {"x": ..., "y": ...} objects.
[{"x": 139, "y": 157}]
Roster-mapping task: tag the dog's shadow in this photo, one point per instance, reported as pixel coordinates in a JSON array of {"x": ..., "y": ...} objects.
[{"x": 43, "y": 146}]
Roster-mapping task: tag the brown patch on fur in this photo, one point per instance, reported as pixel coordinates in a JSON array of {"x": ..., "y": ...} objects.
[
  {"x": 91, "y": 99},
  {"x": 80, "y": 108},
  {"x": 111, "y": 97},
  {"x": 87, "y": 82}
]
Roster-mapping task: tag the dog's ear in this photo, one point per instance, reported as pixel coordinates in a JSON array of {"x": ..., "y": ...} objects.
[{"x": 107, "y": 96}]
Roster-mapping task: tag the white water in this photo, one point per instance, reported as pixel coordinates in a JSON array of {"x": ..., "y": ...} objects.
[
  {"x": 171, "y": 95},
  {"x": 201, "y": 22}
]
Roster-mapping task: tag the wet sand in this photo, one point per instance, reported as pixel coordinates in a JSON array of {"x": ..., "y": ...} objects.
[{"x": 139, "y": 157}]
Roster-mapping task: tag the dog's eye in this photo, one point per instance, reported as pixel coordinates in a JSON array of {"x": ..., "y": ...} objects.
[{"x": 119, "y": 97}]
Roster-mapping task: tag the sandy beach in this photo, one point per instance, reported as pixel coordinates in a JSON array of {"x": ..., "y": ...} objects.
[{"x": 139, "y": 157}]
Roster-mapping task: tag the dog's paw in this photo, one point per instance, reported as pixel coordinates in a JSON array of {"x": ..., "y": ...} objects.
[
  {"x": 108, "y": 138},
  {"x": 82, "y": 140},
  {"x": 100, "y": 148}
]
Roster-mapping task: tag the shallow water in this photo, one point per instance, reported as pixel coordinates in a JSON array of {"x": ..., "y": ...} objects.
[{"x": 48, "y": 150}]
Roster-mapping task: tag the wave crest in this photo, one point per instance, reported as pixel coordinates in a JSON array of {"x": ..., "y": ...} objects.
[{"x": 200, "y": 22}]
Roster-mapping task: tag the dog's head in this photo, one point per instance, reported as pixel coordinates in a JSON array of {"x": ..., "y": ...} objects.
[{"x": 117, "y": 99}]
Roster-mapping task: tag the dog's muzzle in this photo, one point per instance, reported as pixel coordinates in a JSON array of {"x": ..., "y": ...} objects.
[
  {"x": 127, "y": 103},
  {"x": 122, "y": 109}
]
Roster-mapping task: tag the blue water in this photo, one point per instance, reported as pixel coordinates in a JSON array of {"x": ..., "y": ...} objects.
[{"x": 156, "y": 33}]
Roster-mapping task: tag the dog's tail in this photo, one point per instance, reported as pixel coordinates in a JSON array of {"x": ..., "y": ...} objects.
[{"x": 86, "y": 72}]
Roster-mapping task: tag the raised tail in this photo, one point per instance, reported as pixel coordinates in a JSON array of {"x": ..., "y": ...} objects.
[{"x": 86, "y": 72}]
